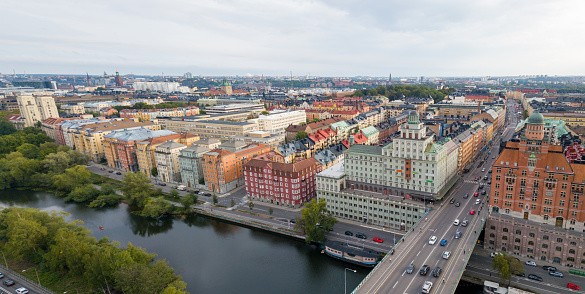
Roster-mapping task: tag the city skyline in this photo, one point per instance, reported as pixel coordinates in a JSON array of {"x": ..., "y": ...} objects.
[{"x": 317, "y": 38}]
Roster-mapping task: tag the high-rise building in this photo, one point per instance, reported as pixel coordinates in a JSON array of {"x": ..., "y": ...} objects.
[
  {"x": 36, "y": 109},
  {"x": 191, "y": 164},
  {"x": 167, "y": 161},
  {"x": 119, "y": 80}
]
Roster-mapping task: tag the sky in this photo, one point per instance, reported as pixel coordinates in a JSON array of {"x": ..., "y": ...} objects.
[{"x": 306, "y": 37}]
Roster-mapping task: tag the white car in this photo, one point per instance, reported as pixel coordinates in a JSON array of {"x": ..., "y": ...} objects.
[
  {"x": 21, "y": 290},
  {"x": 446, "y": 254},
  {"x": 531, "y": 263},
  {"x": 432, "y": 240},
  {"x": 483, "y": 169},
  {"x": 477, "y": 201},
  {"x": 493, "y": 254},
  {"x": 456, "y": 222},
  {"x": 427, "y": 287}
]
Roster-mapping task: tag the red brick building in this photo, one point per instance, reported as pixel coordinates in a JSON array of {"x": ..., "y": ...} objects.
[{"x": 269, "y": 179}]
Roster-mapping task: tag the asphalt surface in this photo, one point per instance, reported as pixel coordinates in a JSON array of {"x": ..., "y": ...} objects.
[
  {"x": 32, "y": 287},
  {"x": 391, "y": 277}
]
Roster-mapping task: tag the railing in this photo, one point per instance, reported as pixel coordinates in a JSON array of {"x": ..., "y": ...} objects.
[{"x": 38, "y": 286}]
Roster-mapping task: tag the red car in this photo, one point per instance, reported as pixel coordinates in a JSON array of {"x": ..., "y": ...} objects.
[
  {"x": 475, "y": 194},
  {"x": 472, "y": 211},
  {"x": 376, "y": 239},
  {"x": 476, "y": 179},
  {"x": 572, "y": 286}
]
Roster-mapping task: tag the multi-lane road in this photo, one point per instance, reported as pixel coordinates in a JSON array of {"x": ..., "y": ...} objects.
[{"x": 391, "y": 276}]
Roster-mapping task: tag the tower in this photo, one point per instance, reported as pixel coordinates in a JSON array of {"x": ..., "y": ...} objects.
[
  {"x": 118, "y": 79},
  {"x": 226, "y": 86}
]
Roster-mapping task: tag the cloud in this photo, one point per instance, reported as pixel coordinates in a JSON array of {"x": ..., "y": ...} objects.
[{"x": 328, "y": 38}]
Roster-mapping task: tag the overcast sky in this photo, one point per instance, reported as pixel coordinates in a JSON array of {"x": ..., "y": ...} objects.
[{"x": 275, "y": 37}]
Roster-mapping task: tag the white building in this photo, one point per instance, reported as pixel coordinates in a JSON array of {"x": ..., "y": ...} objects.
[
  {"x": 36, "y": 109},
  {"x": 167, "y": 161},
  {"x": 73, "y": 108},
  {"x": 277, "y": 121},
  {"x": 166, "y": 87},
  {"x": 234, "y": 108}
]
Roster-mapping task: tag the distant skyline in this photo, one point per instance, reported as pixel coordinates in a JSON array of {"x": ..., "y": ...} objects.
[{"x": 318, "y": 38}]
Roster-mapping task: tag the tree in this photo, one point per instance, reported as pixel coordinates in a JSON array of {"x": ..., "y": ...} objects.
[
  {"x": 174, "y": 194},
  {"x": 187, "y": 201},
  {"x": 501, "y": 264},
  {"x": 301, "y": 135},
  {"x": 154, "y": 172},
  {"x": 201, "y": 181},
  {"x": 83, "y": 193},
  {"x": 156, "y": 207},
  {"x": 6, "y": 127},
  {"x": 233, "y": 202},
  {"x": 106, "y": 200},
  {"x": 265, "y": 112},
  {"x": 72, "y": 177},
  {"x": 315, "y": 220},
  {"x": 202, "y": 111},
  {"x": 29, "y": 151},
  {"x": 215, "y": 200},
  {"x": 270, "y": 211},
  {"x": 524, "y": 114},
  {"x": 251, "y": 205},
  {"x": 136, "y": 188}
]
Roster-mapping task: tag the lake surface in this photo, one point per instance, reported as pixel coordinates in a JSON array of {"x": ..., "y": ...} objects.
[{"x": 212, "y": 256}]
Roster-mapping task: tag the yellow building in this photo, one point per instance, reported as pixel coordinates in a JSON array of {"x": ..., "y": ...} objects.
[{"x": 570, "y": 118}]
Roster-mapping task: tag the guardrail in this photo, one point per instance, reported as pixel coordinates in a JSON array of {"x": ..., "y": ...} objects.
[
  {"x": 387, "y": 254},
  {"x": 39, "y": 288}
]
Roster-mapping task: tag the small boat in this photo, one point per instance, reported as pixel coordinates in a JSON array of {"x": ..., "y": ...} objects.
[{"x": 101, "y": 228}]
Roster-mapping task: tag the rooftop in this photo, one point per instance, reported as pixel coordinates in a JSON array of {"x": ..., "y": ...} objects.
[{"x": 337, "y": 171}]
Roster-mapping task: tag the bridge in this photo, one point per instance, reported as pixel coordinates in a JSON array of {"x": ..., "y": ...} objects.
[{"x": 390, "y": 275}]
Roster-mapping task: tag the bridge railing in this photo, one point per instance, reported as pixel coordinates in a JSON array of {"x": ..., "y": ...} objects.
[
  {"x": 388, "y": 254},
  {"x": 40, "y": 288}
]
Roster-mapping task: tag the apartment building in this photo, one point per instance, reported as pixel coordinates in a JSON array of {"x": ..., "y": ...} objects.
[
  {"x": 146, "y": 149},
  {"x": 148, "y": 114},
  {"x": 167, "y": 161},
  {"x": 237, "y": 107},
  {"x": 278, "y": 120},
  {"x": 371, "y": 207},
  {"x": 223, "y": 130},
  {"x": 269, "y": 179},
  {"x": 36, "y": 109},
  {"x": 73, "y": 108},
  {"x": 191, "y": 165}
]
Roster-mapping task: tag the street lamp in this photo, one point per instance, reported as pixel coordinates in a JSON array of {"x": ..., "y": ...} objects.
[{"x": 345, "y": 276}]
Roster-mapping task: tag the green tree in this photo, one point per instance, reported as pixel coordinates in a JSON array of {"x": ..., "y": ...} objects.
[
  {"x": 201, "y": 181},
  {"x": 301, "y": 135},
  {"x": 233, "y": 202},
  {"x": 265, "y": 112},
  {"x": 502, "y": 266},
  {"x": 83, "y": 193},
  {"x": 315, "y": 220},
  {"x": 106, "y": 200},
  {"x": 136, "y": 188},
  {"x": 174, "y": 194},
  {"x": 525, "y": 114},
  {"x": 215, "y": 200},
  {"x": 270, "y": 211},
  {"x": 6, "y": 127},
  {"x": 156, "y": 207},
  {"x": 251, "y": 205},
  {"x": 72, "y": 177},
  {"x": 187, "y": 201},
  {"x": 29, "y": 151},
  {"x": 202, "y": 111},
  {"x": 62, "y": 160},
  {"x": 154, "y": 172}
]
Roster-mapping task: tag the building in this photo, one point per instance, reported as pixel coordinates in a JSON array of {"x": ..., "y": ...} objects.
[
  {"x": 36, "y": 109},
  {"x": 269, "y": 179},
  {"x": 277, "y": 121},
  {"x": 191, "y": 165},
  {"x": 146, "y": 149},
  {"x": 73, "y": 108},
  {"x": 208, "y": 143},
  {"x": 237, "y": 107},
  {"x": 118, "y": 79},
  {"x": 148, "y": 114},
  {"x": 226, "y": 87},
  {"x": 17, "y": 121},
  {"x": 370, "y": 207},
  {"x": 120, "y": 147},
  {"x": 166, "y": 87},
  {"x": 412, "y": 166},
  {"x": 533, "y": 180},
  {"x": 292, "y": 130},
  {"x": 223, "y": 130},
  {"x": 167, "y": 161},
  {"x": 223, "y": 169}
]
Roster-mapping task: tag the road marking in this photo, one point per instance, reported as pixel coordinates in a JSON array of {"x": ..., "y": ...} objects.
[
  {"x": 395, "y": 285},
  {"x": 418, "y": 253}
]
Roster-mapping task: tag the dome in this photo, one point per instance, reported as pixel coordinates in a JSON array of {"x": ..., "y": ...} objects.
[{"x": 536, "y": 119}]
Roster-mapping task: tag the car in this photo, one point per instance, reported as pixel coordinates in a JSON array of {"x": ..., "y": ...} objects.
[
  {"x": 118, "y": 173},
  {"x": 163, "y": 184},
  {"x": 480, "y": 187},
  {"x": 549, "y": 268},
  {"x": 494, "y": 157},
  {"x": 361, "y": 236},
  {"x": 349, "y": 233},
  {"x": 437, "y": 271},
  {"x": 483, "y": 169},
  {"x": 432, "y": 240},
  {"x": 530, "y": 263},
  {"x": 1, "y": 276},
  {"x": 410, "y": 268},
  {"x": 572, "y": 286},
  {"x": 452, "y": 201},
  {"x": 427, "y": 287},
  {"x": 21, "y": 290},
  {"x": 457, "y": 204},
  {"x": 484, "y": 192},
  {"x": 520, "y": 274},
  {"x": 8, "y": 283},
  {"x": 489, "y": 171},
  {"x": 476, "y": 179},
  {"x": 556, "y": 274},
  {"x": 458, "y": 234},
  {"x": 294, "y": 221},
  {"x": 485, "y": 178},
  {"x": 424, "y": 270},
  {"x": 477, "y": 201},
  {"x": 535, "y": 277},
  {"x": 102, "y": 168},
  {"x": 110, "y": 171},
  {"x": 456, "y": 222},
  {"x": 376, "y": 239},
  {"x": 465, "y": 196},
  {"x": 472, "y": 212},
  {"x": 475, "y": 194},
  {"x": 446, "y": 254},
  {"x": 464, "y": 223},
  {"x": 489, "y": 182}
]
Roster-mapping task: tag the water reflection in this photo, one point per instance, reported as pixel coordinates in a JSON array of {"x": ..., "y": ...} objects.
[{"x": 146, "y": 227}]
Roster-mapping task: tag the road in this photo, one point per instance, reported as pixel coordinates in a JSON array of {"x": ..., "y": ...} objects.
[
  {"x": 391, "y": 277},
  {"x": 20, "y": 281}
]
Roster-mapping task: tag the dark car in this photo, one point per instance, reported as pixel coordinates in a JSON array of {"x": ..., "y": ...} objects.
[
  {"x": 483, "y": 192},
  {"x": 457, "y": 204},
  {"x": 465, "y": 196},
  {"x": 549, "y": 268},
  {"x": 535, "y": 277},
  {"x": 458, "y": 234},
  {"x": 520, "y": 274},
  {"x": 118, "y": 173},
  {"x": 437, "y": 271},
  {"x": 163, "y": 184},
  {"x": 452, "y": 200},
  {"x": 8, "y": 283},
  {"x": 110, "y": 171},
  {"x": 294, "y": 221},
  {"x": 410, "y": 269},
  {"x": 485, "y": 178},
  {"x": 361, "y": 236},
  {"x": 349, "y": 233},
  {"x": 424, "y": 270}
]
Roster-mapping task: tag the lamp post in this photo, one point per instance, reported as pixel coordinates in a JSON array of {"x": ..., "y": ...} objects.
[{"x": 345, "y": 277}]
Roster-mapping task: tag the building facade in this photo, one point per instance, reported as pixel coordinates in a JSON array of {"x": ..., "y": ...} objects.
[
  {"x": 277, "y": 121},
  {"x": 191, "y": 165},
  {"x": 167, "y": 161},
  {"x": 36, "y": 109}
]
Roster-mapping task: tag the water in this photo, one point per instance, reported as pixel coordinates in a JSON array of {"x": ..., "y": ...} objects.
[{"x": 212, "y": 256}]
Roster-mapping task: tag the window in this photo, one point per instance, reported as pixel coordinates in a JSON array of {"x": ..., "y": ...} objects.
[
  {"x": 493, "y": 227},
  {"x": 565, "y": 178},
  {"x": 531, "y": 235},
  {"x": 564, "y": 186},
  {"x": 499, "y": 170},
  {"x": 524, "y": 173},
  {"x": 558, "y": 248},
  {"x": 530, "y": 243},
  {"x": 517, "y": 240},
  {"x": 571, "y": 251},
  {"x": 492, "y": 235},
  {"x": 545, "y": 237},
  {"x": 537, "y": 174},
  {"x": 504, "y": 238},
  {"x": 518, "y": 232},
  {"x": 559, "y": 240},
  {"x": 497, "y": 185},
  {"x": 544, "y": 246},
  {"x": 505, "y": 230},
  {"x": 497, "y": 177},
  {"x": 562, "y": 203}
]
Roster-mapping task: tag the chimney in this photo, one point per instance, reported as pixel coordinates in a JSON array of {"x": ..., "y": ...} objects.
[
  {"x": 351, "y": 141},
  {"x": 479, "y": 107}
]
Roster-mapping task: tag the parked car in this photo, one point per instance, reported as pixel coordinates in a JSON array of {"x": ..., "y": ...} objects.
[
  {"x": 452, "y": 201},
  {"x": 163, "y": 184},
  {"x": 483, "y": 169},
  {"x": 21, "y": 290},
  {"x": 424, "y": 270},
  {"x": 410, "y": 268},
  {"x": 531, "y": 263},
  {"x": 8, "y": 283},
  {"x": 572, "y": 286},
  {"x": 484, "y": 192},
  {"x": 294, "y": 221},
  {"x": 118, "y": 173},
  {"x": 110, "y": 171},
  {"x": 1, "y": 276},
  {"x": 446, "y": 254},
  {"x": 535, "y": 277},
  {"x": 477, "y": 201},
  {"x": 427, "y": 287},
  {"x": 493, "y": 254},
  {"x": 437, "y": 271},
  {"x": 432, "y": 240},
  {"x": 376, "y": 239},
  {"x": 443, "y": 242},
  {"x": 549, "y": 268},
  {"x": 464, "y": 223},
  {"x": 520, "y": 275},
  {"x": 458, "y": 234},
  {"x": 476, "y": 179},
  {"x": 456, "y": 222},
  {"x": 480, "y": 187},
  {"x": 349, "y": 233},
  {"x": 361, "y": 236},
  {"x": 555, "y": 274},
  {"x": 485, "y": 178}
]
